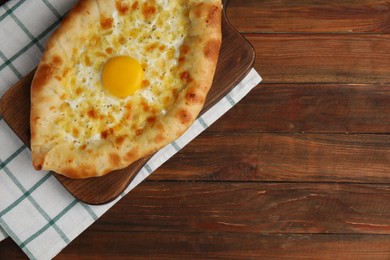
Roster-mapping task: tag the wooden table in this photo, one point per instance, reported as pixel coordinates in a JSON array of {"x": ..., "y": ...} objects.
[{"x": 300, "y": 168}]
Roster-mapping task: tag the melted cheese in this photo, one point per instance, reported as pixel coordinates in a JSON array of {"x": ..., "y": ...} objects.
[{"x": 152, "y": 34}]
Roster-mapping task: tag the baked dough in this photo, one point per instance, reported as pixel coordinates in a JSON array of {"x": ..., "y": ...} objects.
[{"x": 80, "y": 131}]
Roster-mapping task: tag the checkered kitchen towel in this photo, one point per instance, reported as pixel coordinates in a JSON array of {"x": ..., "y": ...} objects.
[{"x": 35, "y": 210}]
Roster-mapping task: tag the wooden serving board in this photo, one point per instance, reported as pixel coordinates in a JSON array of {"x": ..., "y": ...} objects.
[{"x": 235, "y": 61}]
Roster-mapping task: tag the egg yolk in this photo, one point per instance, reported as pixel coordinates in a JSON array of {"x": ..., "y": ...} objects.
[{"x": 122, "y": 76}]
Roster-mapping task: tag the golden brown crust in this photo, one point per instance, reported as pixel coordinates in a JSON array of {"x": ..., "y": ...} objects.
[{"x": 197, "y": 61}]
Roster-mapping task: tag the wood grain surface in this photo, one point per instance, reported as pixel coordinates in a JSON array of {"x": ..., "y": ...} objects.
[{"x": 299, "y": 169}]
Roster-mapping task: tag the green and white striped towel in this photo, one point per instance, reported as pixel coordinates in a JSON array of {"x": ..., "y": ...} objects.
[{"x": 35, "y": 210}]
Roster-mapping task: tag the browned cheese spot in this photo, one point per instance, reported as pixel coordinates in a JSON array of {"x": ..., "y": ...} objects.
[
  {"x": 83, "y": 147},
  {"x": 122, "y": 8},
  {"x": 214, "y": 16},
  {"x": 57, "y": 61},
  {"x": 128, "y": 106},
  {"x": 139, "y": 132},
  {"x": 145, "y": 105},
  {"x": 211, "y": 49},
  {"x": 151, "y": 47},
  {"x": 75, "y": 132},
  {"x": 151, "y": 120},
  {"x": 134, "y": 5},
  {"x": 92, "y": 113},
  {"x": 128, "y": 112},
  {"x": 192, "y": 98},
  {"x": 79, "y": 91},
  {"x": 145, "y": 83},
  {"x": 184, "y": 50},
  {"x": 64, "y": 106},
  {"x": 87, "y": 61},
  {"x": 119, "y": 140},
  {"x": 109, "y": 50},
  {"x": 106, "y": 23},
  {"x": 114, "y": 159},
  {"x": 167, "y": 101},
  {"x": 186, "y": 77},
  {"x": 106, "y": 133},
  {"x": 184, "y": 117},
  {"x": 148, "y": 10},
  {"x": 127, "y": 116},
  {"x": 122, "y": 40}
]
